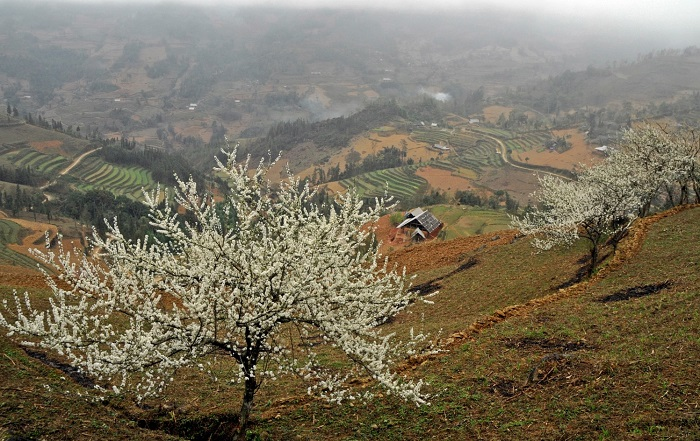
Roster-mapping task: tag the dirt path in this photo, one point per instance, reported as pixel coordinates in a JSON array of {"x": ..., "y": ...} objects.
[
  {"x": 506, "y": 159},
  {"x": 77, "y": 161},
  {"x": 70, "y": 167}
]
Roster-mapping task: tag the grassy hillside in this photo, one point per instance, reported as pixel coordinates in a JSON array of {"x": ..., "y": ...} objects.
[
  {"x": 611, "y": 358},
  {"x": 46, "y": 141}
]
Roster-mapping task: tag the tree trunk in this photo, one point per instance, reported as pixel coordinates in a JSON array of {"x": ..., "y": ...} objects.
[
  {"x": 246, "y": 408},
  {"x": 594, "y": 259}
]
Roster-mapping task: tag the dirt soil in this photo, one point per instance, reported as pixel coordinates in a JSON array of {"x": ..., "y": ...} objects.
[
  {"x": 492, "y": 113},
  {"x": 49, "y": 147},
  {"x": 371, "y": 143},
  {"x": 580, "y": 152},
  {"x": 444, "y": 180},
  {"x": 436, "y": 254},
  {"x": 21, "y": 277}
]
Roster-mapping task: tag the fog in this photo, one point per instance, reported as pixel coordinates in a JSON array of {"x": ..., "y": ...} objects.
[{"x": 601, "y": 30}]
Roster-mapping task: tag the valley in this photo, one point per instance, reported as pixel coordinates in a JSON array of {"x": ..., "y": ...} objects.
[{"x": 465, "y": 114}]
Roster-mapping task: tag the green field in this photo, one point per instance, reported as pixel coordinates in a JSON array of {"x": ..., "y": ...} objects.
[
  {"x": 401, "y": 183},
  {"x": 93, "y": 173},
  {"x": 44, "y": 164},
  {"x": 461, "y": 221},
  {"x": 11, "y": 233}
]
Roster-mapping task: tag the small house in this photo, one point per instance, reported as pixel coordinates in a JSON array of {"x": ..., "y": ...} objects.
[{"x": 421, "y": 224}]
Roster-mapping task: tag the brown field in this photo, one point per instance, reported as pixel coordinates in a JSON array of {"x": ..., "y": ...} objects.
[
  {"x": 580, "y": 152},
  {"x": 371, "y": 143},
  {"x": 492, "y": 113},
  {"x": 444, "y": 180},
  {"x": 520, "y": 183},
  {"x": 50, "y": 147}
]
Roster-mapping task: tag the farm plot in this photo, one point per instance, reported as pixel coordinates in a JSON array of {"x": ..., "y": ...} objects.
[
  {"x": 10, "y": 233},
  {"x": 94, "y": 173},
  {"x": 532, "y": 141},
  {"x": 432, "y": 136},
  {"x": 402, "y": 183},
  {"x": 492, "y": 131},
  {"x": 43, "y": 163}
]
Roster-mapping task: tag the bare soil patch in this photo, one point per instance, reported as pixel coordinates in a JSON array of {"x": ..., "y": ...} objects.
[
  {"x": 438, "y": 254},
  {"x": 17, "y": 276},
  {"x": 519, "y": 183},
  {"x": 580, "y": 152},
  {"x": 50, "y": 147},
  {"x": 372, "y": 143},
  {"x": 444, "y": 180},
  {"x": 492, "y": 113}
]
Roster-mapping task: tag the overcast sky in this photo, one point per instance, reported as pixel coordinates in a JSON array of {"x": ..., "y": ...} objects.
[
  {"x": 662, "y": 17},
  {"x": 650, "y": 11},
  {"x": 644, "y": 11}
]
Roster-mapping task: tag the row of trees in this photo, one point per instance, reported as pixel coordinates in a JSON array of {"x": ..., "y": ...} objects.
[{"x": 652, "y": 167}]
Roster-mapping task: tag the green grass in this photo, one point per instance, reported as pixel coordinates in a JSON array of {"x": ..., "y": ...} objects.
[
  {"x": 630, "y": 370},
  {"x": 463, "y": 221},
  {"x": 94, "y": 173},
  {"x": 11, "y": 233}
]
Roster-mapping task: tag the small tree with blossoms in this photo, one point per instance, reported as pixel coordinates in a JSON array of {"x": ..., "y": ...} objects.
[
  {"x": 600, "y": 205},
  {"x": 229, "y": 281}
]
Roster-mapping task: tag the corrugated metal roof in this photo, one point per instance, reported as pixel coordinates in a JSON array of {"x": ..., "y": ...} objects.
[
  {"x": 424, "y": 218},
  {"x": 428, "y": 221}
]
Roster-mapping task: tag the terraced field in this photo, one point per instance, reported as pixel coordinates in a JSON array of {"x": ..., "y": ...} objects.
[
  {"x": 10, "y": 233},
  {"x": 94, "y": 173},
  {"x": 472, "y": 149},
  {"x": 529, "y": 141},
  {"x": 402, "y": 183},
  {"x": 46, "y": 164}
]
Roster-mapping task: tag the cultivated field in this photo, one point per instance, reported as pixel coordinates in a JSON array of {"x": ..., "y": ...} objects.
[{"x": 94, "y": 173}]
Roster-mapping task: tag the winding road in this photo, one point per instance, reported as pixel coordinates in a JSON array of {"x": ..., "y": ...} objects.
[
  {"x": 506, "y": 159},
  {"x": 70, "y": 167},
  {"x": 76, "y": 161}
]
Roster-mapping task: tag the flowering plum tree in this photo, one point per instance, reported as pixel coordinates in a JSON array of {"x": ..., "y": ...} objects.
[
  {"x": 238, "y": 279},
  {"x": 570, "y": 210},
  {"x": 661, "y": 159},
  {"x": 604, "y": 200}
]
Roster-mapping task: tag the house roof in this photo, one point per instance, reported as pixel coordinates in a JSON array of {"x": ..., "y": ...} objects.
[
  {"x": 424, "y": 219},
  {"x": 418, "y": 232}
]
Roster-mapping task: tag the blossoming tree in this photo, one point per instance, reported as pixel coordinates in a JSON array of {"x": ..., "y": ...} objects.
[
  {"x": 605, "y": 199},
  {"x": 229, "y": 282},
  {"x": 570, "y": 210}
]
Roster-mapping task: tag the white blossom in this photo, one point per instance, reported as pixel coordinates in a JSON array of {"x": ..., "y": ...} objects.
[
  {"x": 604, "y": 200},
  {"x": 228, "y": 282}
]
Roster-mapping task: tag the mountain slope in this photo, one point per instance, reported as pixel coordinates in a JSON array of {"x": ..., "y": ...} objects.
[{"x": 611, "y": 358}]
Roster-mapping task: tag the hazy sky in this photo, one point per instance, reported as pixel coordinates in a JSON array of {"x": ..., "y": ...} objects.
[
  {"x": 648, "y": 11},
  {"x": 671, "y": 18}
]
